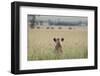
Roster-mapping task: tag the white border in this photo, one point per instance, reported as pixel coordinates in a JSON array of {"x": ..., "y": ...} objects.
[{"x": 26, "y": 65}]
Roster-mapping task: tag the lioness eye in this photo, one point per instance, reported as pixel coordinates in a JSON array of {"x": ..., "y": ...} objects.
[
  {"x": 54, "y": 39},
  {"x": 62, "y": 39}
]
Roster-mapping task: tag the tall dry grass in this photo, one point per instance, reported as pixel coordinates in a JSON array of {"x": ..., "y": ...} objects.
[{"x": 41, "y": 44}]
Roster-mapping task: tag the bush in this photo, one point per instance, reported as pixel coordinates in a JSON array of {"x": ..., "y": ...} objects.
[
  {"x": 70, "y": 28},
  {"x": 52, "y": 27},
  {"x": 59, "y": 27},
  {"x": 38, "y": 27},
  {"x": 31, "y": 26},
  {"x": 47, "y": 28}
]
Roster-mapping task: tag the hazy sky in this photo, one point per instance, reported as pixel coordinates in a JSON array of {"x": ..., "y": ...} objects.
[{"x": 59, "y": 18}]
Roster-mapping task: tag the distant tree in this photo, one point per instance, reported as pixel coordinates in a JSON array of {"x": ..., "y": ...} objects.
[
  {"x": 50, "y": 22},
  {"x": 41, "y": 22},
  {"x": 33, "y": 22}
]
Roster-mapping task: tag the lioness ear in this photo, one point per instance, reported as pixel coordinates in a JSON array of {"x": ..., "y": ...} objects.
[
  {"x": 62, "y": 39},
  {"x": 54, "y": 39}
]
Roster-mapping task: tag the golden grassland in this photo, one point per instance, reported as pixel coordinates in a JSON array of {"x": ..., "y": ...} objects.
[{"x": 41, "y": 44}]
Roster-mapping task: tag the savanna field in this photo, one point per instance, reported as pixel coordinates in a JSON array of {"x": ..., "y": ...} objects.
[{"x": 41, "y": 45}]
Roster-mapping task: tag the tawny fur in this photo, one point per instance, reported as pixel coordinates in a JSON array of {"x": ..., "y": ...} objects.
[{"x": 58, "y": 46}]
